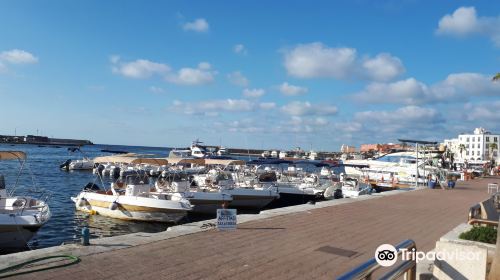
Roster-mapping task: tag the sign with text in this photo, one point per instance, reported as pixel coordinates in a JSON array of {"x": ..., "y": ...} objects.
[{"x": 226, "y": 219}]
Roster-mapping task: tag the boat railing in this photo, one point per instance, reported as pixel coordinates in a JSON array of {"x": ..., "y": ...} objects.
[{"x": 408, "y": 268}]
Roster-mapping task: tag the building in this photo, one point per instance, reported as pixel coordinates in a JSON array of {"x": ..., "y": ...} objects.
[
  {"x": 382, "y": 148},
  {"x": 347, "y": 149},
  {"x": 480, "y": 146}
]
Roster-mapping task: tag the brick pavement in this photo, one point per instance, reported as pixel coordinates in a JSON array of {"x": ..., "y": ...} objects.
[{"x": 285, "y": 247}]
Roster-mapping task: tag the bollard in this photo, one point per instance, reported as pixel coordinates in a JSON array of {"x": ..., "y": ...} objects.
[{"x": 85, "y": 236}]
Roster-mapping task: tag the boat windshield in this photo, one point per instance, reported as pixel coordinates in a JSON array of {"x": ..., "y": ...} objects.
[{"x": 395, "y": 159}]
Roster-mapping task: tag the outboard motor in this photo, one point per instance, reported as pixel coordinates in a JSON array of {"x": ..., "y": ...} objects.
[
  {"x": 338, "y": 194},
  {"x": 3, "y": 192},
  {"x": 65, "y": 165}
]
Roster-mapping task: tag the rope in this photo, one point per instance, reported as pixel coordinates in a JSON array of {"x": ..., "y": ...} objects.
[{"x": 73, "y": 259}]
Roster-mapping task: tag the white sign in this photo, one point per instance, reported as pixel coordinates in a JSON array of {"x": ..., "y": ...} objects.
[{"x": 226, "y": 219}]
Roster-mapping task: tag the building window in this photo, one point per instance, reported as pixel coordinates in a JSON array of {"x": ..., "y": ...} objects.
[
  {"x": 487, "y": 145},
  {"x": 495, "y": 139},
  {"x": 487, "y": 139},
  {"x": 472, "y": 153},
  {"x": 473, "y": 139},
  {"x": 467, "y": 139},
  {"x": 478, "y": 139},
  {"x": 467, "y": 153}
]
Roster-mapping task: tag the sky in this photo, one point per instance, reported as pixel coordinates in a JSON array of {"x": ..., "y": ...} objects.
[{"x": 249, "y": 74}]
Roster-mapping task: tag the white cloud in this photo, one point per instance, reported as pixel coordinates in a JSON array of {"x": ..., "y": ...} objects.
[
  {"x": 154, "y": 89},
  {"x": 455, "y": 88},
  {"x": 407, "y": 114},
  {"x": 193, "y": 76},
  {"x": 253, "y": 93},
  {"x": 198, "y": 25},
  {"x": 464, "y": 21},
  {"x": 383, "y": 67},
  {"x": 237, "y": 78},
  {"x": 240, "y": 49},
  {"x": 297, "y": 108},
  {"x": 138, "y": 69},
  {"x": 316, "y": 60},
  {"x": 267, "y": 105},
  {"x": 409, "y": 120},
  {"x": 291, "y": 90},
  {"x": 16, "y": 56},
  {"x": 205, "y": 107}
]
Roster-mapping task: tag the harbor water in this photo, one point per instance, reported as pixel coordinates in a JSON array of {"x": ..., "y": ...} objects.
[{"x": 66, "y": 223}]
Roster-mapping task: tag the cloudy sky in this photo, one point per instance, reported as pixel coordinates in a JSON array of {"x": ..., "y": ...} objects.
[{"x": 259, "y": 74}]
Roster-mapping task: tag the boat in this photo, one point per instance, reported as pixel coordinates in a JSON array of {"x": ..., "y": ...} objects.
[
  {"x": 198, "y": 151},
  {"x": 82, "y": 164},
  {"x": 352, "y": 187},
  {"x": 398, "y": 168},
  {"x": 177, "y": 186},
  {"x": 131, "y": 200},
  {"x": 20, "y": 216},
  {"x": 222, "y": 151},
  {"x": 243, "y": 197}
]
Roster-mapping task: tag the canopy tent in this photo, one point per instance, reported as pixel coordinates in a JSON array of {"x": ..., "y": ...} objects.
[{"x": 6, "y": 155}]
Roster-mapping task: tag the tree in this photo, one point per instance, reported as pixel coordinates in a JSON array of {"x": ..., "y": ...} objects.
[
  {"x": 493, "y": 147},
  {"x": 496, "y": 77},
  {"x": 462, "y": 148}
]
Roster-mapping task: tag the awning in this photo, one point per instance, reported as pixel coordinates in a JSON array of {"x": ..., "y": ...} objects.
[{"x": 6, "y": 155}]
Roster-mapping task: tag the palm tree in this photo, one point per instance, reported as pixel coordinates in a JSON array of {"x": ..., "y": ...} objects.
[
  {"x": 493, "y": 147},
  {"x": 462, "y": 148},
  {"x": 496, "y": 77}
]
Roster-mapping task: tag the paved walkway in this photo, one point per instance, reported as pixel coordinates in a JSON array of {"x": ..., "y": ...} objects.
[{"x": 303, "y": 245}]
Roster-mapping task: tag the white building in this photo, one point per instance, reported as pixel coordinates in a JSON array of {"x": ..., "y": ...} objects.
[
  {"x": 347, "y": 149},
  {"x": 475, "y": 147}
]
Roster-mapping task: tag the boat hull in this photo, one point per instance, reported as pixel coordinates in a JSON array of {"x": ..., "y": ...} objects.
[
  {"x": 290, "y": 199},
  {"x": 250, "y": 199},
  {"x": 132, "y": 208}
]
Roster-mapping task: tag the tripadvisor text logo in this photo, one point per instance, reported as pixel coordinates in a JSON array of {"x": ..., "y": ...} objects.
[{"x": 386, "y": 255}]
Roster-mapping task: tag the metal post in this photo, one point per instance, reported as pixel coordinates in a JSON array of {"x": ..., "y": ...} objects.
[{"x": 416, "y": 174}]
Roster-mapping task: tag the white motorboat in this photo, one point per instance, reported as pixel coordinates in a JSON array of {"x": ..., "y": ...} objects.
[
  {"x": 81, "y": 164},
  {"x": 392, "y": 168},
  {"x": 352, "y": 187},
  {"x": 20, "y": 216},
  {"x": 177, "y": 186},
  {"x": 135, "y": 201},
  {"x": 246, "y": 197}
]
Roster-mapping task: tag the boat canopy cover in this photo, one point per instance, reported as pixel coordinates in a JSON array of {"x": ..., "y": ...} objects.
[
  {"x": 225, "y": 162},
  {"x": 150, "y": 161},
  {"x": 185, "y": 160},
  {"x": 261, "y": 161},
  {"x": 6, "y": 155},
  {"x": 125, "y": 158}
]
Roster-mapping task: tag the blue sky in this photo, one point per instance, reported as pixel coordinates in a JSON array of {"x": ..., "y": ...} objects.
[{"x": 260, "y": 74}]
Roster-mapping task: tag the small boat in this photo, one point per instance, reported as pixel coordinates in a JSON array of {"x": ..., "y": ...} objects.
[
  {"x": 133, "y": 201},
  {"x": 352, "y": 187},
  {"x": 20, "y": 216},
  {"x": 177, "y": 186}
]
